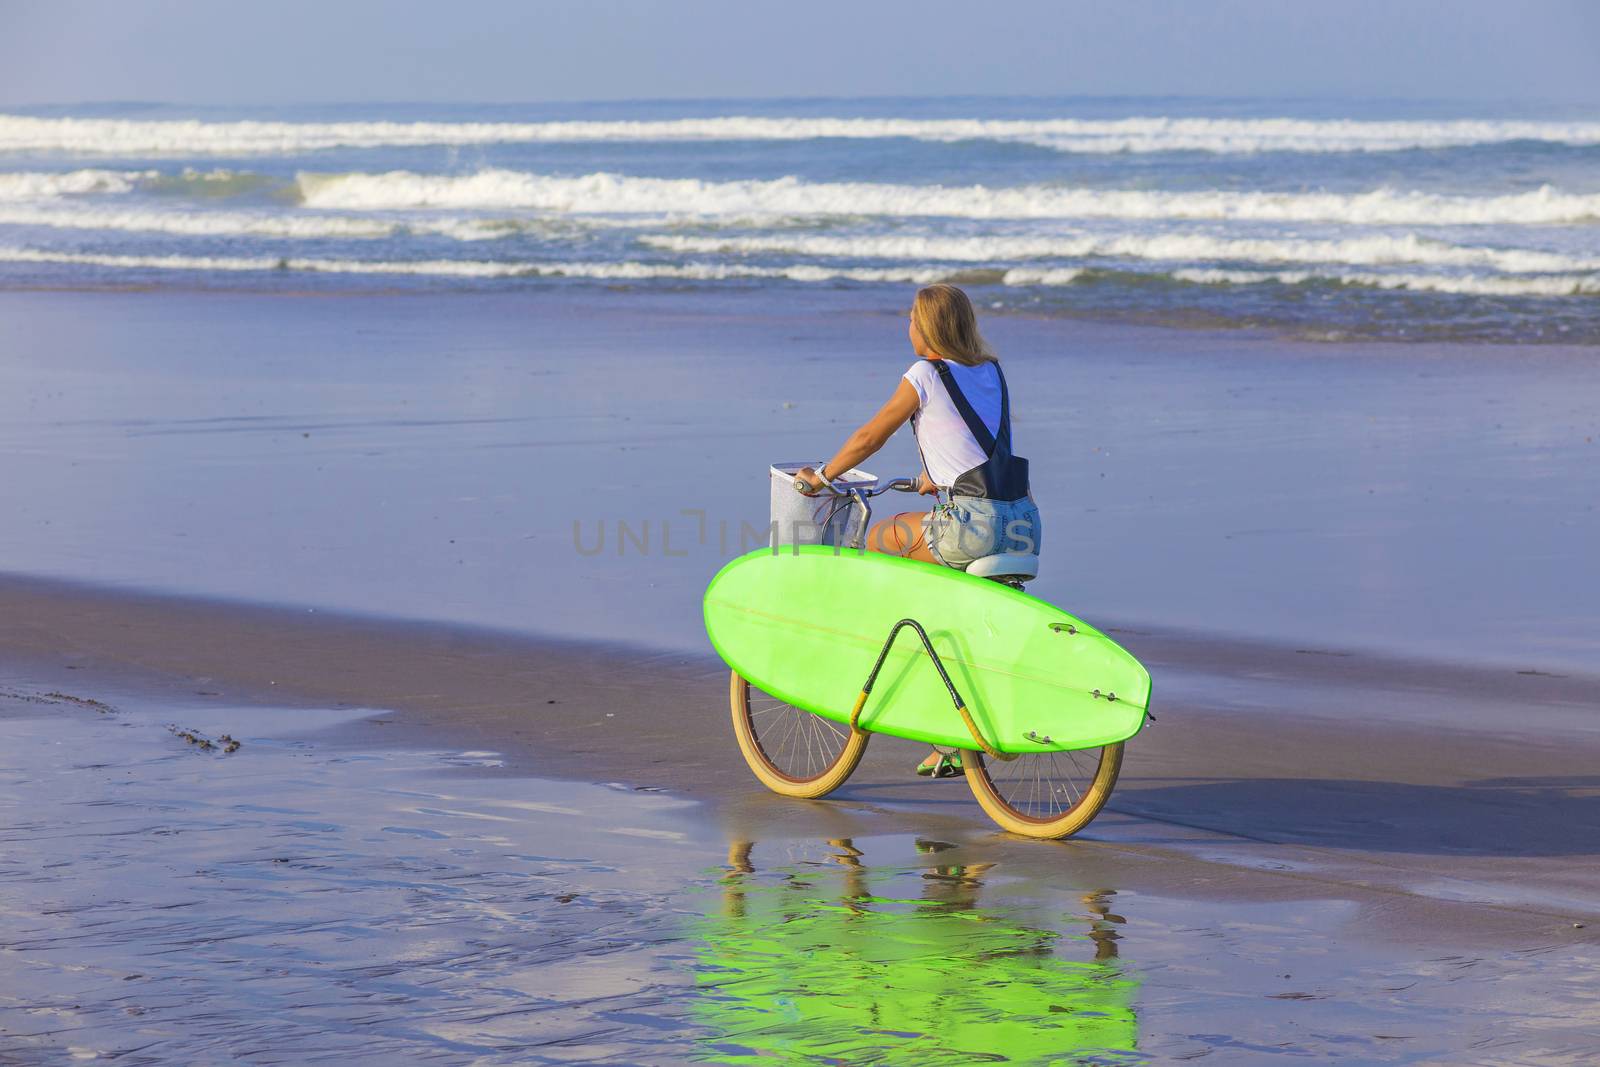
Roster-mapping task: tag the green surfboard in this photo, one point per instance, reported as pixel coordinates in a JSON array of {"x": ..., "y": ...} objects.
[{"x": 806, "y": 625}]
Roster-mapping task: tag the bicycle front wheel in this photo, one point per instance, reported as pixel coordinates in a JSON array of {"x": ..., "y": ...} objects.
[
  {"x": 792, "y": 751},
  {"x": 1045, "y": 794}
]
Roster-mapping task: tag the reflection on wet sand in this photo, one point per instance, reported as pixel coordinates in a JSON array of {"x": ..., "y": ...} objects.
[
  {"x": 835, "y": 959},
  {"x": 293, "y": 902},
  {"x": 306, "y": 899}
]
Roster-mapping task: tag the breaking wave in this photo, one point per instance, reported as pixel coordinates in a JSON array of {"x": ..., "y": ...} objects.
[
  {"x": 287, "y": 227},
  {"x": 29, "y": 185},
  {"x": 477, "y": 268},
  {"x": 1567, "y": 285},
  {"x": 1367, "y": 250},
  {"x": 198, "y": 224},
  {"x": 190, "y": 137},
  {"x": 1558, "y": 285},
  {"x": 603, "y": 193},
  {"x": 1374, "y": 250}
]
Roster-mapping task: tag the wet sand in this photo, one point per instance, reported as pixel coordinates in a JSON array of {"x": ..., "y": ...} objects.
[
  {"x": 1296, "y": 870},
  {"x": 1364, "y": 825},
  {"x": 174, "y": 898},
  {"x": 579, "y": 466}
]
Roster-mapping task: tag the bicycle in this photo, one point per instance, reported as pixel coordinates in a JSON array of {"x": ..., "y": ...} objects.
[{"x": 799, "y": 753}]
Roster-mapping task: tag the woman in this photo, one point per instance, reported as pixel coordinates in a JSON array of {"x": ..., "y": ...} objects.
[{"x": 955, "y": 397}]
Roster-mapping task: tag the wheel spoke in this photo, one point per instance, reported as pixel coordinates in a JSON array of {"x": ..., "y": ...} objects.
[
  {"x": 795, "y": 742},
  {"x": 1044, "y": 786}
]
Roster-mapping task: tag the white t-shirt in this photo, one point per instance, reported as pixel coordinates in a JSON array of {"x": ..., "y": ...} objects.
[{"x": 948, "y": 447}]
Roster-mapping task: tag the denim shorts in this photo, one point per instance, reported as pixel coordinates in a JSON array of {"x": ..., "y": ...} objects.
[{"x": 969, "y": 528}]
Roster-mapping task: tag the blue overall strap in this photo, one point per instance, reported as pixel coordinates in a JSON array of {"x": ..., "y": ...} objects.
[{"x": 980, "y": 432}]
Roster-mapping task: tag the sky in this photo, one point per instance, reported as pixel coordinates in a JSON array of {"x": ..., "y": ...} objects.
[{"x": 295, "y": 51}]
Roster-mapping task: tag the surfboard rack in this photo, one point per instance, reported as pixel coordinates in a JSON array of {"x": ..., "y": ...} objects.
[{"x": 944, "y": 676}]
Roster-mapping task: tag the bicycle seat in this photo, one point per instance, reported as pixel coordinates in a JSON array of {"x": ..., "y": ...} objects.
[{"x": 1005, "y": 565}]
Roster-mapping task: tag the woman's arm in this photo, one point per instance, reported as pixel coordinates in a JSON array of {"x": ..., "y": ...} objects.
[{"x": 871, "y": 436}]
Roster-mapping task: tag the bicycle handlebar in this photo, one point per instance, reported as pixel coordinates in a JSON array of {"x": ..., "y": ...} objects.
[
  {"x": 860, "y": 498},
  {"x": 903, "y": 485}
]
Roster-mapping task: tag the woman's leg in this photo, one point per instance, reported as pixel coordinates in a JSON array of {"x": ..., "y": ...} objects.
[
  {"x": 901, "y": 535},
  {"x": 906, "y": 535}
]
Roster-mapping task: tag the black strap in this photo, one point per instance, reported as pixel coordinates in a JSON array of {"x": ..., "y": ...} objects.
[{"x": 980, "y": 432}]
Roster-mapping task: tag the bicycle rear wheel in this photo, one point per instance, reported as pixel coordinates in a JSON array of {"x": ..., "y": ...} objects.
[
  {"x": 792, "y": 751},
  {"x": 1045, "y": 794}
]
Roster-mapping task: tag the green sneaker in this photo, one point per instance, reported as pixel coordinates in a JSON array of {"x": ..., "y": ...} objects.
[{"x": 946, "y": 765}]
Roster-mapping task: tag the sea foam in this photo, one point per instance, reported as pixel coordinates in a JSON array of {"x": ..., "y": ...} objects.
[
  {"x": 190, "y": 137},
  {"x": 1470, "y": 285},
  {"x": 622, "y": 270},
  {"x": 308, "y": 226},
  {"x": 1374, "y": 249},
  {"x": 1547, "y": 286},
  {"x": 602, "y": 193},
  {"x": 34, "y": 185},
  {"x": 197, "y": 224}
]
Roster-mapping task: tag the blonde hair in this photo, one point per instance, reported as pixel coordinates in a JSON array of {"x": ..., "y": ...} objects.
[{"x": 949, "y": 327}]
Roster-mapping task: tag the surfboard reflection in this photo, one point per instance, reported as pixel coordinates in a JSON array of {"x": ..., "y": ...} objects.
[{"x": 834, "y": 960}]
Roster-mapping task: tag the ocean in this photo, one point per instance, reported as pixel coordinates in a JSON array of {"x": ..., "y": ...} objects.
[{"x": 1391, "y": 221}]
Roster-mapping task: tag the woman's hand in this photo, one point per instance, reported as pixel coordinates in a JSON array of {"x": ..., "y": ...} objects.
[
  {"x": 925, "y": 485},
  {"x": 811, "y": 478}
]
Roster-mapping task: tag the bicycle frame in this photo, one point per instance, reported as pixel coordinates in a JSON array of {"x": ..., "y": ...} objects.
[
  {"x": 860, "y": 498},
  {"x": 944, "y": 676}
]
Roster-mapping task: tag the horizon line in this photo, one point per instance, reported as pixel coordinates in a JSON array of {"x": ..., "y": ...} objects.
[{"x": 1302, "y": 98}]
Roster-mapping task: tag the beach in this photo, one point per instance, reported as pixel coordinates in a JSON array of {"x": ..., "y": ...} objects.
[
  {"x": 376, "y": 537},
  {"x": 363, "y": 467}
]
